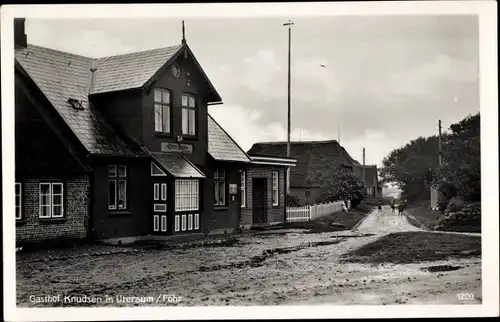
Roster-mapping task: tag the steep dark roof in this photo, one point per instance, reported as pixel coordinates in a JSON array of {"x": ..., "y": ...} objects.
[
  {"x": 221, "y": 146},
  {"x": 316, "y": 160},
  {"x": 61, "y": 76}
]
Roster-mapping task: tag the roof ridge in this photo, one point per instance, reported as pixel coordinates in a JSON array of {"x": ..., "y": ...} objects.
[
  {"x": 138, "y": 52},
  {"x": 298, "y": 142},
  {"x": 57, "y": 50}
]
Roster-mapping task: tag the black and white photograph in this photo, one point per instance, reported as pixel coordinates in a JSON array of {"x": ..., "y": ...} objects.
[{"x": 272, "y": 160}]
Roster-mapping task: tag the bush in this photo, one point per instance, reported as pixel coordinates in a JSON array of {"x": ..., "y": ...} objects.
[
  {"x": 455, "y": 205},
  {"x": 292, "y": 201},
  {"x": 370, "y": 201}
]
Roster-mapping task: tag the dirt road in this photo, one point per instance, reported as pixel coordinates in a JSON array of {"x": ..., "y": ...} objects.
[{"x": 280, "y": 267}]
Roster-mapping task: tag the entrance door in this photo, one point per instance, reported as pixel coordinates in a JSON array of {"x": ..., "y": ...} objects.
[
  {"x": 160, "y": 221},
  {"x": 259, "y": 196}
]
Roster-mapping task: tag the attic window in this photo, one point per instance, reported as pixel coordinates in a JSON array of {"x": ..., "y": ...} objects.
[{"x": 76, "y": 104}]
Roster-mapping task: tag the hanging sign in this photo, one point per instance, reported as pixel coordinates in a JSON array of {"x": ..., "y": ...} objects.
[{"x": 233, "y": 188}]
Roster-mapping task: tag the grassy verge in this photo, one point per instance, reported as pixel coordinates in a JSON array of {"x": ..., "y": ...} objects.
[
  {"x": 334, "y": 222},
  {"x": 414, "y": 247},
  {"x": 424, "y": 217}
]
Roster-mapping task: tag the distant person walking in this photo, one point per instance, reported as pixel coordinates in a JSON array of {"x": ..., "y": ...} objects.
[
  {"x": 379, "y": 207},
  {"x": 401, "y": 207},
  {"x": 393, "y": 206}
]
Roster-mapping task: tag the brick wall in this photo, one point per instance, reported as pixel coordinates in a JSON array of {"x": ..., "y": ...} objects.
[
  {"x": 274, "y": 213},
  {"x": 75, "y": 221}
]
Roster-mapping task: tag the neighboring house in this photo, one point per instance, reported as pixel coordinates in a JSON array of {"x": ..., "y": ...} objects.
[
  {"x": 373, "y": 186},
  {"x": 317, "y": 161},
  {"x": 122, "y": 147}
]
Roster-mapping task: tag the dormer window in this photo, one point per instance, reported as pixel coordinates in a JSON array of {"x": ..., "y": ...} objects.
[
  {"x": 162, "y": 110},
  {"x": 76, "y": 104},
  {"x": 188, "y": 114}
]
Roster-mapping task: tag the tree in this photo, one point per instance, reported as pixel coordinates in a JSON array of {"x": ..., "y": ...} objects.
[
  {"x": 460, "y": 172},
  {"x": 412, "y": 167},
  {"x": 342, "y": 187}
]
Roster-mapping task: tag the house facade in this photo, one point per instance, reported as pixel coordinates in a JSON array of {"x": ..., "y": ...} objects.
[
  {"x": 317, "y": 161},
  {"x": 123, "y": 148},
  {"x": 373, "y": 186}
]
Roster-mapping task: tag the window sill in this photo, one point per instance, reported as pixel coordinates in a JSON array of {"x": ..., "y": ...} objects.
[
  {"x": 189, "y": 137},
  {"x": 276, "y": 206},
  {"x": 119, "y": 212},
  {"x": 163, "y": 134},
  {"x": 221, "y": 208},
  {"x": 52, "y": 220}
]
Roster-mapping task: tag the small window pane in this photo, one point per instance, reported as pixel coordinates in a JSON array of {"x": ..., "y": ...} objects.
[
  {"x": 112, "y": 194},
  {"x": 122, "y": 171},
  {"x": 112, "y": 170},
  {"x": 56, "y": 188},
  {"x": 58, "y": 211},
  {"x": 156, "y": 191},
  {"x": 190, "y": 222},
  {"x": 191, "y": 102},
  {"x": 45, "y": 200},
  {"x": 222, "y": 193},
  {"x": 163, "y": 223},
  {"x": 192, "y": 122},
  {"x": 45, "y": 188},
  {"x": 122, "y": 186},
  {"x": 183, "y": 223},
  {"x": 156, "y": 222},
  {"x": 184, "y": 100},
  {"x": 18, "y": 188},
  {"x": 222, "y": 174},
  {"x": 166, "y": 97},
  {"x": 196, "y": 221},
  {"x": 45, "y": 211},
  {"x": 185, "y": 121},
  {"x": 176, "y": 224},
  {"x": 57, "y": 199},
  {"x": 163, "y": 191},
  {"x": 157, "y": 96},
  {"x": 166, "y": 119},
  {"x": 216, "y": 174},
  {"x": 216, "y": 193},
  {"x": 158, "y": 118}
]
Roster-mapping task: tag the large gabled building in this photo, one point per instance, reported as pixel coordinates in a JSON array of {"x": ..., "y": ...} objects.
[{"x": 123, "y": 148}]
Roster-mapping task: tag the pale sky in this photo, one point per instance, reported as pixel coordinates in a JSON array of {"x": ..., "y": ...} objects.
[{"x": 388, "y": 79}]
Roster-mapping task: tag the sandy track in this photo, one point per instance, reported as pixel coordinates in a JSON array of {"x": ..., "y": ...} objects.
[{"x": 271, "y": 268}]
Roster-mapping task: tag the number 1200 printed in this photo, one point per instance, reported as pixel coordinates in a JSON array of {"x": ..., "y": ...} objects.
[{"x": 465, "y": 296}]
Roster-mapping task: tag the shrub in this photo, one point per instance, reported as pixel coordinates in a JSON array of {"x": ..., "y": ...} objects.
[
  {"x": 292, "y": 201},
  {"x": 455, "y": 205}
]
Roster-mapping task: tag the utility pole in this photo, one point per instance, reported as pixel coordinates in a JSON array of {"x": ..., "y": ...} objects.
[
  {"x": 289, "y": 24},
  {"x": 364, "y": 173},
  {"x": 439, "y": 141}
]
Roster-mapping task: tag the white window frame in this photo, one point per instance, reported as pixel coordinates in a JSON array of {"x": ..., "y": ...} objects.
[
  {"x": 196, "y": 221},
  {"x": 163, "y": 223},
  {"x": 156, "y": 223},
  {"x": 243, "y": 185},
  {"x": 51, "y": 200},
  {"x": 188, "y": 105},
  {"x": 177, "y": 223},
  {"x": 156, "y": 191},
  {"x": 116, "y": 179},
  {"x": 163, "y": 191},
  {"x": 153, "y": 174},
  {"x": 163, "y": 106},
  {"x": 187, "y": 194},
  {"x": 275, "y": 186},
  {"x": 220, "y": 178},
  {"x": 190, "y": 222},
  {"x": 183, "y": 222},
  {"x": 18, "y": 207}
]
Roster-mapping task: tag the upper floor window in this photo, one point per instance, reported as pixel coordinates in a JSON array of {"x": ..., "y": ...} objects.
[
  {"x": 188, "y": 114},
  {"x": 117, "y": 187},
  {"x": 162, "y": 109},
  {"x": 18, "y": 201},
  {"x": 51, "y": 200},
  {"x": 275, "y": 188},
  {"x": 219, "y": 187}
]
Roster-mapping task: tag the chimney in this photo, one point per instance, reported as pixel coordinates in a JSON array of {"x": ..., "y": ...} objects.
[{"x": 20, "y": 40}]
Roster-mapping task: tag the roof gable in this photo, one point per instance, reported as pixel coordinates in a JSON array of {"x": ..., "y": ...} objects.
[{"x": 130, "y": 71}]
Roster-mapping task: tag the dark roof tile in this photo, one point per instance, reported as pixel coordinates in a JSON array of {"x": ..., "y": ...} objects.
[{"x": 221, "y": 146}]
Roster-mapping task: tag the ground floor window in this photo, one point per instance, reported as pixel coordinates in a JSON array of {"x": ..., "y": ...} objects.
[
  {"x": 219, "y": 187},
  {"x": 243, "y": 189},
  {"x": 275, "y": 188},
  {"x": 186, "y": 195},
  {"x": 118, "y": 176},
  {"x": 18, "y": 201},
  {"x": 51, "y": 200},
  {"x": 186, "y": 222}
]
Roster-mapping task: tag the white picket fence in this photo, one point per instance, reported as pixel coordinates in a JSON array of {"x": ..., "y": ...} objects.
[{"x": 306, "y": 213}]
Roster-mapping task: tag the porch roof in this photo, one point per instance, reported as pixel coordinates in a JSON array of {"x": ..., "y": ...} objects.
[{"x": 177, "y": 165}]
